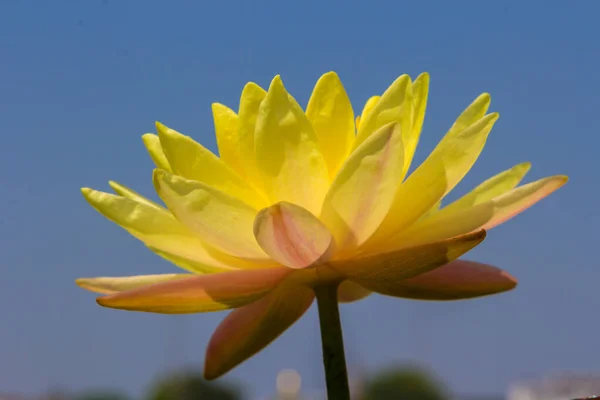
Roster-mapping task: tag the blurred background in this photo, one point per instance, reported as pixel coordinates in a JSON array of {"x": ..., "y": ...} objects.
[{"x": 81, "y": 81}]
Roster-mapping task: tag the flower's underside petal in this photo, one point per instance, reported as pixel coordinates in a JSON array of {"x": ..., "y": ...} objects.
[
  {"x": 191, "y": 160},
  {"x": 220, "y": 220},
  {"x": 362, "y": 192},
  {"x": 521, "y": 198},
  {"x": 124, "y": 191},
  {"x": 199, "y": 293},
  {"x": 292, "y": 236},
  {"x": 247, "y": 330},
  {"x": 381, "y": 273},
  {"x": 159, "y": 230},
  {"x": 456, "y": 280},
  {"x": 440, "y": 172},
  {"x": 250, "y": 100},
  {"x": 227, "y": 134},
  {"x": 287, "y": 152},
  {"x": 332, "y": 118},
  {"x": 152, "y": 143},
  {"x": 110, "y": 285},
  {"x": 349, "y": 292},
  {"x": 493, "y": 187}
]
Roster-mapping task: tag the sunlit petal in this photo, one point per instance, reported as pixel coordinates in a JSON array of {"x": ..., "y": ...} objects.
[
  {"x": 250, "y": 101},
  {"x": 110, "y": 285},
  {"x": 227, "y": 134},
  {"x": 420, "y": 93},
  {"x": 152, "y": 143},
  {"x": 132, "y": 194}
]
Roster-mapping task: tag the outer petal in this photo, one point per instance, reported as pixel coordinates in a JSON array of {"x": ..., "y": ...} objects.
[
  {"x": 382, "y": 272},
  {"x": 349, "y": 292},
  {"x": 226, "y": 131},
  {"x": 191, "y": 160},
  {"x": 199, "y": 293},
  {"x": 247, "y": 330},
  {"x": 519, "y": 199},
  {"x": 364, "y": 189},
  {"x": 132, "y": 194},
  {"x": 456, "y": 280},
  {"x": 159, "y": 230},
  {"x": 110, "y": 285},
  {"x": 292, "y": 236},
  {"x": 287, "y": 152},
  {"x": 330, "y": 113},
  {"x": 152, "y": 143},
  {"x": 223, "y": 221},
  {"x": 252, "y": 96}
]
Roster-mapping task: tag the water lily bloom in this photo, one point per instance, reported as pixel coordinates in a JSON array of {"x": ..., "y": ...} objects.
[{"x": 302, "y": 197}]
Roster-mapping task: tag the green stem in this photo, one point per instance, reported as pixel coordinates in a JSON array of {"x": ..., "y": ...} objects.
[{"x": 332, "y": 340}]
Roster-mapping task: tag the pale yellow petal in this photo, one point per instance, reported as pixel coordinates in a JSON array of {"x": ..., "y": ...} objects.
[
  {"x": 196, "y": 294},
  {"x": 110, "y": 285},
  {"x": 287, "y": 152},
  {"x": 191, "y": 160},
  {"x": 252, "y": 97},
  {"x": 227, "y": 133},
  {"x": 219, "y": 219},
  {"x": 469, "y": 116},
  {"x": 330, "y": 114},
  {"x": 152, "y": 143},
  {"x": 158, "y": 229},
  {"x": 420, "y": 92},
  {"x": 292, "y": 236},
  {"x": 132, "y": 194},
  {"x": 363, "y": 190}
]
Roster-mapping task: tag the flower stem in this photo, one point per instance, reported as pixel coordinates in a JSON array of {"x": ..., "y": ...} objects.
[{"x": 336, "y": 375}]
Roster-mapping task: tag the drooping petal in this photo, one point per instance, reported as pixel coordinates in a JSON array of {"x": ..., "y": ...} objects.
[
  {"x": 332, "y": 118},
  {"x": 191, "y": 160},
  {"x": 287, "y": 152},
  {"x": 110, "y": 285},
  {"x": 199, "y": 293},
  {"x": 492, "y": 187},
  {"x": 349, "y": 292},
  {"x": 382, "y": 272},
  {"x": 440, "y": 172},
  {"x": 159, "y": 230},
  {"x": 219, "y": 219},
  {"x": 252, "y": 96},
  {"x": 132, "y": 194},
  {"x": 247, "y": 330},
  {"x": 152, "y": 143},
  {"x": 292, "y": 236},
  {"x": 227, "y": 133},
  {"x": 521, "y": 198},
  {"x": 362, "y": 192},
  {"x": 456, "y": 280}
]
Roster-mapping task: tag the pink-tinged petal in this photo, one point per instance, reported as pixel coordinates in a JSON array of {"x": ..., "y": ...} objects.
[
  {"x": 110, "y": 285},
  {"x": 456, "y": 280},
  {"x": 247, "y": 330},
  {"x": 382, "y": 273},
  {"x": 199, "y": 293},
  {"x": 349, "y": 292},
  {"x": 521, "y": 198},
  {"x": 292, "y": 236}
]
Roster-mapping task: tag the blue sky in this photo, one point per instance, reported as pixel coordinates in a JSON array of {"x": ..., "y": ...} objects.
[{"x": 81, "y": 81}]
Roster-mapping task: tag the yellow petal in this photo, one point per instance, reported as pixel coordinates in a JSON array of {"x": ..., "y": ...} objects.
[
  {"x": 252, "y": 97},
  {"x": 132, "y": 194},
  {"x": 226, "y": 131},
  {"x": 158, "y": 229},
  {"x": 292, "y": 236},
  {"x": 521, "y": 198},
  {"x": 110, "y": 285},
  {"x": 469, "y": 116},
  {"x": 198, "y": 293},
  {"x": 420, "y": 92},
  {"x": 495, "y": 186},
  {"x": 371, "y": 102},
  {"x": 191, "y": 160},
  {"x": 152, "y": 143},
  {"x": 382, "y": 273},
  {"x": 248, "y": 330},
  {"x": 330, "y": 113},
  {"x": 394, "y": 105},
  {"x": 363, "y": 190},
  {"x": 349, "y": 292},
  {"x": 219, "y": 219},
  {"x": 287, "y": 152}
]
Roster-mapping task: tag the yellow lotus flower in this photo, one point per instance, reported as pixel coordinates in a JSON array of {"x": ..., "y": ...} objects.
[{"x": 299, "y": 198}]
